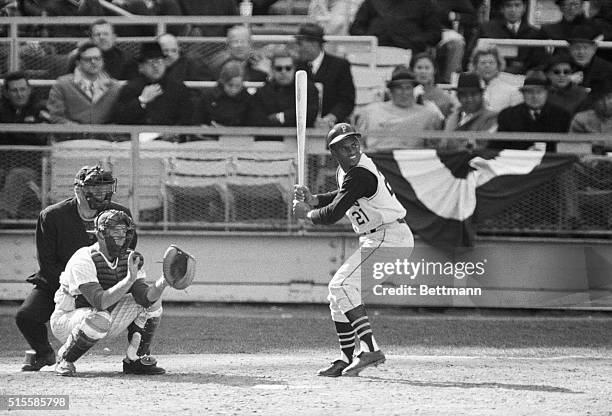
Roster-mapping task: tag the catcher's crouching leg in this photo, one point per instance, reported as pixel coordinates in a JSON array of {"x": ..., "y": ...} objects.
[
  {"x": 93, "y": 328},
  {"x": 140, "y": 337}
]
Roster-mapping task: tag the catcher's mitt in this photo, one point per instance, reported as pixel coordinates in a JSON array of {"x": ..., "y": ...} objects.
[{"x": 178, "y": 267}]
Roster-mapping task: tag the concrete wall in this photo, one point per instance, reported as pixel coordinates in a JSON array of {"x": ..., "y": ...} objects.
[{"x": 287, "y": 268}]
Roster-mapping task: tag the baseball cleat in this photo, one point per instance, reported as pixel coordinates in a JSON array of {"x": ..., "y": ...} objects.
[
  {"x": 334, "y": 370},
  {"x": 37, "y": 361},
  {"x": 65, "y": 368},
  {"x": 146, "y": 365},
  {"x": 364, "y": 360}
]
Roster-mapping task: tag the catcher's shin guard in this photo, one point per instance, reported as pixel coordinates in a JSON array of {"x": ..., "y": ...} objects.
[
  {"x": 93, "y": 328},
  {"x": 146, "y": 334},
  {"x": 77, "y": 345}
]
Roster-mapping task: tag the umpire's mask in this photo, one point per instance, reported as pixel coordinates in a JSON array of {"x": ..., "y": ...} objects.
[
  {"x": 116, "y": 229},
  {"x": 97, "y": 186}
]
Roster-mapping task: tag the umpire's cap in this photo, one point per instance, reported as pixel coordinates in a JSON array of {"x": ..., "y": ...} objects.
[{"x": 340, "y": 132}]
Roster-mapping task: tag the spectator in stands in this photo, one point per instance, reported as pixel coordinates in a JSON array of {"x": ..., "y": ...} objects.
[
  {"x": 57, "y": 8},
  {"x": 19, "y": 190},
  {"x": 457, "y": 17},
  {"x": 117, "y": 63},
  {"x": 333, "y": 72},
  {"x": 562, "y": 91},
  {"x": 472, "y": 115},
  {"x": 573, "y": 15},
  {"x": 152, "y": 97},
  {"x": 598, "y": 119},
  {"x": 337, "y": 14},
  {"x": 240, "y": 48},
  {"x": 180, "y": 67},
  {"x": 389, "y": 124},
  {"x": 209, "y": 8},
  {"x": 87, "y": 96},
  {"x": 148, "y": 8},
  {"x": 229, "y": 103},
  {"x": 593, "y": 70},
  {"x": 274, "y": 103},
  {"x": 407, "y": 24},
  {"x": 423, "y": 67},
  {"x": 499, "y": 93},
  {"x": 513, "y": 25},
  {"x": 20, "y": 105},
  {"x": 535, "y": 114},
  {"x": 602, "y": 21}
]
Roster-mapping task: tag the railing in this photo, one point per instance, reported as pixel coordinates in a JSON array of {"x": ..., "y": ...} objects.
[
  {"x": 13, "y": 46},
  {"x": 239, "y": 182},
  {"x": 508, "y": 47}
]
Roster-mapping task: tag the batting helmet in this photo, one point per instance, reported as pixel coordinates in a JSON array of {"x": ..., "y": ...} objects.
[
  {"x": 340, "y": 132},
  {"x": 114, "y": 225},
  {"x": 98, "y": 186}
]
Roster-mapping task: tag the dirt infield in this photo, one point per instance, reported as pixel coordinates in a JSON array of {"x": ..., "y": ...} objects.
[{"x": 437, "y": 365}]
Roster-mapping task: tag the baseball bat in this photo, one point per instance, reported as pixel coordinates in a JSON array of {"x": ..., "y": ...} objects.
[{"x": 301, "y": 96}]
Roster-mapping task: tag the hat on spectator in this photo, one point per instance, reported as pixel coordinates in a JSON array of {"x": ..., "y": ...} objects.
[
  {"x": 534, "y": 79},
  {"x": 311, "y": 31},
  {"x": 150, "y": 50},
  {"x": 468, "y": 81},
  {"x": 583, "y": 34},
  {"x": 560, "y": 58},
  {"x": 401, "y": 75}
]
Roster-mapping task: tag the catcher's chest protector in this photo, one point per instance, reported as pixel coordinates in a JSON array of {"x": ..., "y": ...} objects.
[{"x": 107, "y": 276}]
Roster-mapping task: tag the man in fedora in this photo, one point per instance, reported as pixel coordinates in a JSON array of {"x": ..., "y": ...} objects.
[
  {"x": 152, "y": 97},
  {"x": 535, "y": 114},
  {"x": 333, "y": 72},
  {"x": 395, "y": 124},
  {"x": 472, "y": 115},
  {"x": 582, "y": 49}
]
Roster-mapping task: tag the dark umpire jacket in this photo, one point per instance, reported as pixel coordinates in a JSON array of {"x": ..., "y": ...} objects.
[
  {"x": 338, "y": 86},
  {"x": 60, "y": 232},
  {"x": 173, "y": 107},
  {"x": 273, "y": 98},
  {"x": 552, "y": 119}
]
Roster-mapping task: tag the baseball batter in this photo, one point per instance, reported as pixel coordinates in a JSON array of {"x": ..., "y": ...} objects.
[
  {"x": 366, "y": 198},
  {"x": 102, "y": 292}
]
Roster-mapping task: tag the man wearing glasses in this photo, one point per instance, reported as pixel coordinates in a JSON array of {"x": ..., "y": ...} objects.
[
  {"x": 152, "y": 97},
  {"x": 88, "y": 95},
  {"x": 275, "y": 101}
]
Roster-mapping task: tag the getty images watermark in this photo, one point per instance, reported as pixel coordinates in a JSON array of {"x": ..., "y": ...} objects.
[{"x": 398, "y": 272}]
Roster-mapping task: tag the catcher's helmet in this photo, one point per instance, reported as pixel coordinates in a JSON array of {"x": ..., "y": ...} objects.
[
  {"x": 115, "y": 225},
  {"x": 340, "y": 132},
  {"x": 98, "y": 186}
]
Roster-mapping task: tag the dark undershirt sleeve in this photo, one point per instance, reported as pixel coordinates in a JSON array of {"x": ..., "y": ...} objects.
[
  {"x": 139, "y": 290},
  {"x": 93, "y": 293},
  {"x": 326, "y": 199},
  {"x": 358, "y": 183}
]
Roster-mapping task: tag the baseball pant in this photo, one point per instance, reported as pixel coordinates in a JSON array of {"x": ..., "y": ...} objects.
[
  {"x": 345, "y": 288},
  {"x": 32, "y": 317},
  {"x": 125, "y": 312}
]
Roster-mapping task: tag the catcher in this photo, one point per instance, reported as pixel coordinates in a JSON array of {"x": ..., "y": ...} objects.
[{"x": 102, "y": 292}]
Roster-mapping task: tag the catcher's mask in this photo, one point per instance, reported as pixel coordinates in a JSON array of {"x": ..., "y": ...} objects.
[
  {"x": 97, "y": 186},
  {"x": 116, "y": 229}
]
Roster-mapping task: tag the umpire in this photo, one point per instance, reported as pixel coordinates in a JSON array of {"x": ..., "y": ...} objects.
[{"x": 60, "y": 231}]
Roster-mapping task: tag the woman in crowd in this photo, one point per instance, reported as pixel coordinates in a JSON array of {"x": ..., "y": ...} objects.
[
  {"x": 562, "y": 91},
  {"x": 229, "y": 103},
  {"x": 423, "y": 67}
]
